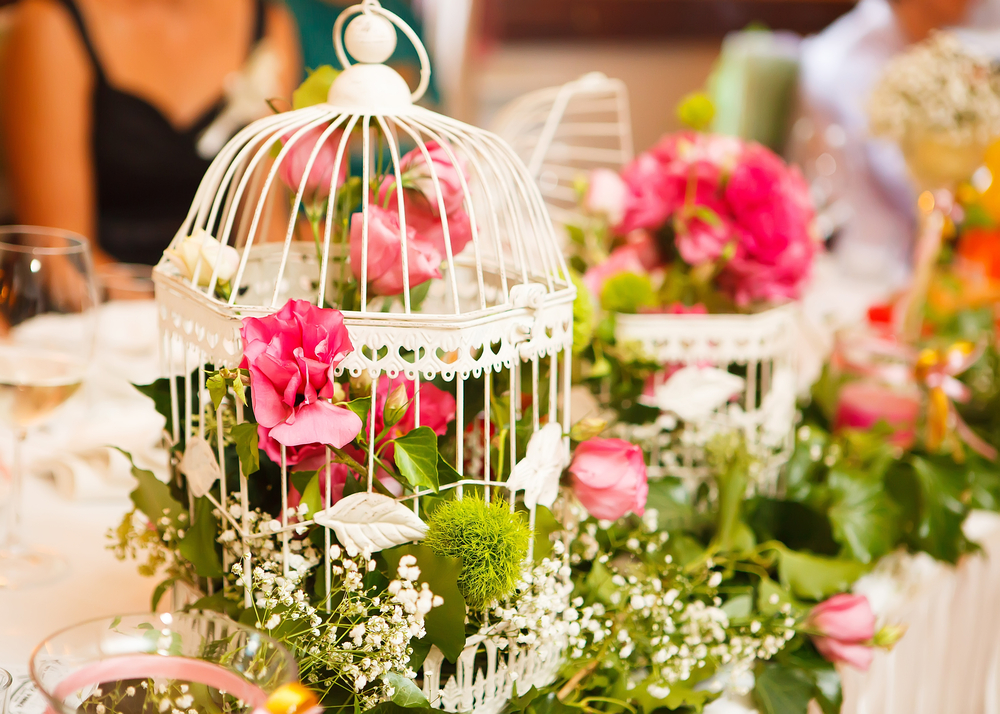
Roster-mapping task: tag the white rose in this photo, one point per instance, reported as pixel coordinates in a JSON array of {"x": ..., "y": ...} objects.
[{"x": 202, "y": 247}]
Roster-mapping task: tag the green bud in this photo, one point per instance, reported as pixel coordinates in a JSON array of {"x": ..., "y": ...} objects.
[
  {"x": 587, "y": 428},
  {"x": 696, "y": 110},
  {"x": 888, "y": 636}
]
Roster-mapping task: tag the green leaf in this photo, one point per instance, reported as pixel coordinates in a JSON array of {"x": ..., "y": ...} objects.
[
  {"x": 245, "y": 436},
  {"x": 863, "y": 518},
  {"x": 814, "y": 577},
  {"x": 416, "y": 456},
  {"x": 446, "y": 472},
  {"x": 679, "y": 694},
  {"x": 216, "y": 385},
  {"x": 766, "y": 589},
  {"x": 117, "y": 621},
  {"x": 545, "y": 525},
  {"x": 598, "y": 582},
  {"x": 738, "y": 607},
  {"x": 445, "y": 624},
  {"x": 360, "y": 406},
  {"x": 158, "y": 592},
  {"x": 627, "y": 292},
  {"x": 583, "y": 315},
  {"x": 391, "y": 707},
  {"x": 406, "y": 693},
  {"x": 316, "y": 88},
  {"x": 152, "y": 496},
  {"x": 300, "y": 479},
  {"x": 942, "y": 484},
  {"x": 782, "y": 690},
  {"x": 671, "y": 500},
  {"x": 159, "y": 392},
  {"x": 520, "y": 703},
  {"x": 198, "y": 544},
  {"x": 312, "y": 496}
]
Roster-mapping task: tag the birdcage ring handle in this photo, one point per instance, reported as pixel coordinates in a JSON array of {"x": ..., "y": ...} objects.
[{"x": 372, "y": 6}]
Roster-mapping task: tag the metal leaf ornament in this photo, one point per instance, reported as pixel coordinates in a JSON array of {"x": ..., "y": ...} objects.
[
  {"x": 369, "y": 522},
  {"x": 538, "y": 473}
]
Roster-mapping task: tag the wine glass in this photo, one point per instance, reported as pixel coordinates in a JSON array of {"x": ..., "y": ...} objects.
[
  {"x": 47, "y": 326},
  {"x": 146, "y": 664}
]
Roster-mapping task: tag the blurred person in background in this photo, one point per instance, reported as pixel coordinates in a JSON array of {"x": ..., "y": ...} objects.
[
  {"x": 839, "y": 68},
  {"x": 113, "y": 109},
  {"x": 315, "y": 19}
]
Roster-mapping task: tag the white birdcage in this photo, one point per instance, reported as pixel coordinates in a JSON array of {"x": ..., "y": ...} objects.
[
  {"x": 480, "y": 293},
  {"x": 563, "y": 133},
  {"x": 721, "y": 373}
]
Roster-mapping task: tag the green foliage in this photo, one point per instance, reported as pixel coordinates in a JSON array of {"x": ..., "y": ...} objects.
[
  {"x": 813, "y": 577},
  {"x": 416, "y": 457},
  {"x": 152, "y": 496},
  {"x": 406, "y": 694},
  {"x": 783, "y": 690},
  {"x": 315, "y": 88},
  {"x": 491, "y": 541},
  {"x": 245, "y": 436},
  {"x": 445, "y": 625},
  {"x": 627, "y": 292},
  {"x": 198, "y": 544},
  {"x": 583, "y": 315}
]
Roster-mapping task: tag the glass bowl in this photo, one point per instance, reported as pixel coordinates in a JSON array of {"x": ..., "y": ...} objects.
[{"x": 167, "y": 663}]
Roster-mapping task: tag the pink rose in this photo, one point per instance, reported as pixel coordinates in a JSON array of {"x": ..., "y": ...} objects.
[
  {"x": 606, "y": 195},
  {"x": 771, "y": 209},
  {"x": 862, "y": 404},
  {"x": 609, "y": 478},
  {"x": 653, "y": 194},
  {"x": 291, "y": 356},
  {"x": 417, "y": 174},
  {"x": 700, "y": 241},
  {"x": 430, "y": 229},
  {"x": 623, "y": 259},
  {"x": 385, "y": 250},
  {"x": 293, "y": 165},
  {"x": 846, "y": 625}
]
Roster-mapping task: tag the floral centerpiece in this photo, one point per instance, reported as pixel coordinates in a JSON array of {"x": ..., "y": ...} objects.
[{"x": 690, "y": 256}]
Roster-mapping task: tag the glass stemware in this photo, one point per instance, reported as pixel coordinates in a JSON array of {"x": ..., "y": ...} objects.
[
  {"x": 47, "y": 327},
  {"x": 146, "y": 664}
]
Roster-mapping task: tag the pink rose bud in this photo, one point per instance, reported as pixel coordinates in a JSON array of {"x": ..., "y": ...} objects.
[
  {"x": 396, "y": 405},
  {"x": 293, "y": 165},
  {"x": 609, "y": 478},
  {"x": 846, "y": 626}
]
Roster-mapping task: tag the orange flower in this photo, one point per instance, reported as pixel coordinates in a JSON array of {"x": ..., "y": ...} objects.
[{"x": 980, "y": 247}]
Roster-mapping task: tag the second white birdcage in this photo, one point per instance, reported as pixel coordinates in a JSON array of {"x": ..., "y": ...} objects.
[
  {"x": 720, "y": 373},
  {"x": 432, "y": 240}
]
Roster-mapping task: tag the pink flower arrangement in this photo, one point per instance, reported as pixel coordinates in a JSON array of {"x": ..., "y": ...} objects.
[
  {"x": 846, "y": 627},
  {"x": 291, "y": 356},
  {"x": 609, "y": 478},
  {"x": 724, "y": 203},
  {"x": 426, "y": 247}
]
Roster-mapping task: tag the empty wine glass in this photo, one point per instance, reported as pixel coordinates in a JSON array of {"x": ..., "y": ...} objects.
[{"x": 47, "y": 326}]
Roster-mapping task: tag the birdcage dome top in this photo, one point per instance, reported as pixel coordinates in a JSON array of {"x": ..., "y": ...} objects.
[{"x": 427, "y": 233}]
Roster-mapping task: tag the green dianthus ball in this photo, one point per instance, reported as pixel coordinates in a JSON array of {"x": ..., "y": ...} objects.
[{"x": 491, "y": 541}]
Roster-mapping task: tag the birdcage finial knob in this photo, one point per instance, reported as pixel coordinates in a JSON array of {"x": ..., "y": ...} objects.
[{"x": 370, "y": 38}]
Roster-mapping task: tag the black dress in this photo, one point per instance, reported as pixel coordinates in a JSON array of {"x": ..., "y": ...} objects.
[{"x": 146, "y": 171}]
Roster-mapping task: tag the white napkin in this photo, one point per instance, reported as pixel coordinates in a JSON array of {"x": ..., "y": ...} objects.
[{"x": 73, "y": 447}]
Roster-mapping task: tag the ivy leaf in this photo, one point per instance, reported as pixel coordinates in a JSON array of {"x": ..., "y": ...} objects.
[
  {"x": 405, "y": 694},
  {"x": 198, "y": 544},
  {"x": 674, "y": 696},
  {"x": 769, "y": 588},
  {"x": 545, "y": 525},
  {"x": 627, "y": 292},
  {"x": 446, "y": 472},
  {"x": 863, "y": 518},
  {"x": 813, "y": 577},
  {"x": 783, "y": 690},
  {"x": 216, "y": 385},
  {"x": 445, "y": 624},
  {"x": 416, "y": 456},
  {"x": 672, "y": 502},
  {"x": 152, "y": 496},
  {"x": 245, "y": 436},
  {"x": 315, "y": 89},
  {"x": 158, "y": 592},
  {"x": 738, "y": 607},
  {"x": 159, "y": 392}
]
